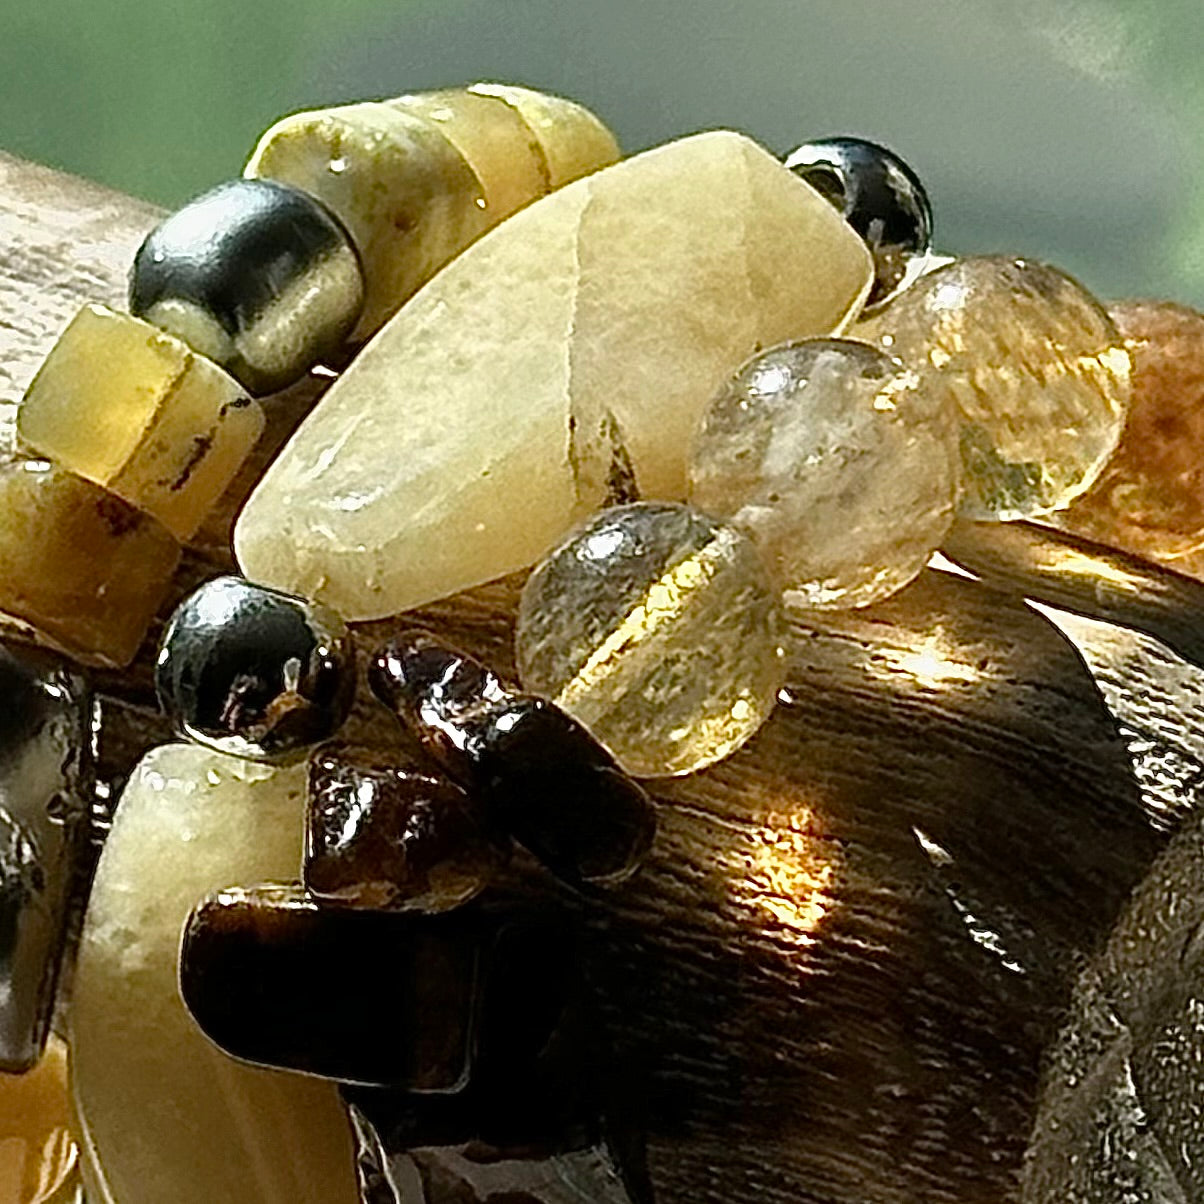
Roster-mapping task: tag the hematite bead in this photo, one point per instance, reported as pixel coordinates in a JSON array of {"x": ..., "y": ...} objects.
[
  {"x": 260, "y": 277},
  {"x": 45, "y": 767},
  {"x": 880, "y": 197},
  {"x": 543, "y": 777},
  {"x": 369, "y": 997},
  {"x": 253, "y": 672},
  {"x": 381, "y": 833}
]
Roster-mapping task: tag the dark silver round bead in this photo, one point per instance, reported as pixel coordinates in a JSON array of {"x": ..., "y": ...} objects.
[
  {"x": 880, "y": 197},
  {"x": 258, "y": 276},
  {"x": 254, "y": 672}
]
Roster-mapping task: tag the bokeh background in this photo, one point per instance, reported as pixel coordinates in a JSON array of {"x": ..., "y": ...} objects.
[{"x": 1067, "y": 129}]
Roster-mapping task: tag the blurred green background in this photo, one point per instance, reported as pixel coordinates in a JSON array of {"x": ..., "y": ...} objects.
[{"x": 1066, "y": 129}]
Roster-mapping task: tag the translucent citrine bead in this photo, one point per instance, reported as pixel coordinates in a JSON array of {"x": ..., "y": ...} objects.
[
  {"x": 136, "y": 410},
  {"x": 657, "y": 628}
]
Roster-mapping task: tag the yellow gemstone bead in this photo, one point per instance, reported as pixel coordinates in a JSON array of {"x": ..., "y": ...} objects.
[
  {"x": 1033, "y": 363},
  {"x": 134, "y": 409},
  {"x": 83, "y": 570},
  {"x": 38, "y": 1155}
]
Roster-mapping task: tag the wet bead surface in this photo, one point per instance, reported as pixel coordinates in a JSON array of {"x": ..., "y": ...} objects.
[
  {"x": 880, "y": 197},
  {"x": 383, "y": 833},
  {"x": 254, "y": 672},
  {"x": 260, "y": 277},
  {"x": 842, "y": 470},
  {"x": 1033, "y": 363},
  {"x": 83, "y": 570},
  {"x": 45, "y": 777},
  {"x": 138, "y": 411},
  {"x": 540, "y": 774},
  {"x": 659, "y": 629},
  {"x": 360, "y": 996}
]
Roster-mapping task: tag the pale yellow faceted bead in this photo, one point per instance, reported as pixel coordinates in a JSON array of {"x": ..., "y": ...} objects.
[
  {"x": 475, "y": 429},
  {"x": 500, "y": 147},
  {"x": 659, "y": 629},
  {"x": 134, "y": 409},
  {"x": 39, "y": 1160},
  {"x": 168, "y": 1116},
  {"x": 574, "y": 142},
  {"x": 84, "y": 571},
  {"x": 839, "y": 465},
  {"x": 1035, "y": 366}
]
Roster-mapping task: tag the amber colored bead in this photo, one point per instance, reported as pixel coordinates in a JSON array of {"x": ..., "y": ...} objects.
[
  {"x": 382, "y": 833},
  {"x": 134, "y": 409},
  {"x": 360, "y": 996},
  {"x": 83, "y": 570}
]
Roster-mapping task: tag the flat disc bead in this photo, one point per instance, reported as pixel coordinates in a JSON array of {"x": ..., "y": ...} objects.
[
  {"x": 840, "y": 468},
  {"x": 659, "y": 629},
  {"x": 1035, "y": 366}
]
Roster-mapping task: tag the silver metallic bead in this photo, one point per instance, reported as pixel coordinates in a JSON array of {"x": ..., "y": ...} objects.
[
  {"x": 254, "y": 672},
  {"x": 45, "y": 780},
  {"x": 880, "y": 197},
  {"x": 260, "y": 277}
]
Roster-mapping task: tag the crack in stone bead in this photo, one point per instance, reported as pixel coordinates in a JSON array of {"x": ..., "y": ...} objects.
[
  {"x": 660, "y": 630},
  {"x": 1033, "y": 363},
  {"x": 383, "y": 833},
  {"x": 839, "y": 467}
]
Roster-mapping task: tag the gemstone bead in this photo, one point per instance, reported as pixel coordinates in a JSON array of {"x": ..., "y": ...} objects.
[
  {"x": 880, "y": 197},
  {"x": 1149, "y": 500},
  {"x": 541, "y": 776},
  {"x": 45, "y": 777},
  {"x": 840, "y": 468},
  {"x": 1033, "y": 363},
  {"x": 544, "y": 372},
  {"x": 360, "y": 996},
  {"x": 138, "y": 411},
  {"x": 261, "y": 278},
  {"x": 254, "y": 672},
  {"x": 383, "y": 833},
  {"x": 154, "y": 1095},
  {"x": 83, "y": 570},
  {"x": 659, "y": 629}
]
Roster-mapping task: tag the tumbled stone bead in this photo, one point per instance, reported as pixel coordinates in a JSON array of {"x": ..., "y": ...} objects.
[
  {"x": 154, "y": 1094},
  {"x": 38, "y": 1155},
  {"x": 259, "y": 277},
  {"x": 659, "y": 629},
  {"x": 1150, "y": 498},
  {"x": 1033, "y": 363},
  {"x": 134, "y": 409},
  {"x": 840, "y": 468},
  {"x": 880, "y": 197},
  {"x": 83, "y": 570},
  {"x": 477, "y": 428},
  {"x": 254, "y": 672},
  {"x": 45, "y": 777},
  {"x": 408, "y": 197},
  {"x": 383, "y": 833},
  {"x": 359, "y": 996},
  {"x": 541, "y": 776}
]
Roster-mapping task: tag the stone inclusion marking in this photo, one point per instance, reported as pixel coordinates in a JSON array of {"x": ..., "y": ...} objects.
[{"x": 659, "y": 629}]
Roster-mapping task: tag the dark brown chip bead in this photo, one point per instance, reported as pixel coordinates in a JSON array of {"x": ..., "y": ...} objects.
[
  {"x": 370, "y": 997},
  {"x": 383, "y": 833},
  {"x": 542, "y": 775}
]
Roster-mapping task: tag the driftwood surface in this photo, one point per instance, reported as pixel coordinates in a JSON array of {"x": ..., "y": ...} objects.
[{"x": 836, "y": 977}]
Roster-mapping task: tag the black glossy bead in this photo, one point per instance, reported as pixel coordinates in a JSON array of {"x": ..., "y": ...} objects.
[
  {"x": 372, "y": 997},
  {"x": 258, "y": 276},
  {"x": 254, "y": 672},
  {"x": 45, "y": 787},
  {"x": 383, "y": 833},
  {"x": 543, "y": 776},
  {"x": 880, "y": 197}
]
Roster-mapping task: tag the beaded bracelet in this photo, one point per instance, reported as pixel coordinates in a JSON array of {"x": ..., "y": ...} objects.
[{"x": 704, "y": 586}]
